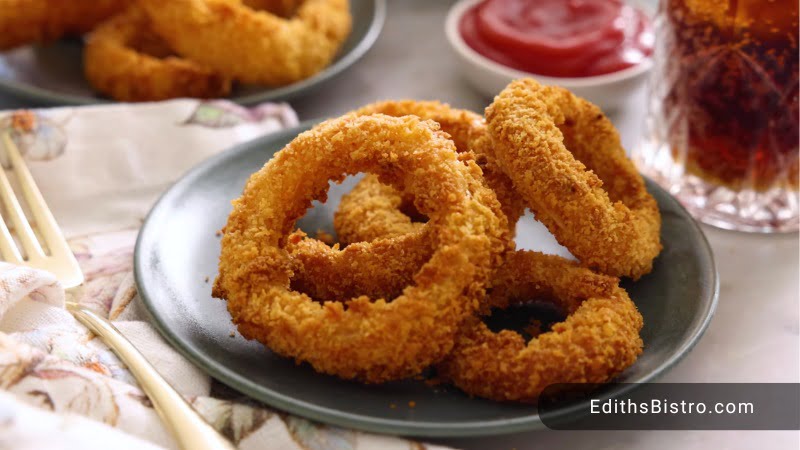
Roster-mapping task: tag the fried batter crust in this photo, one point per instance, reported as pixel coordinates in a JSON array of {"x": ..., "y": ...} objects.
[
  {"x": 126, "y": 60},
  {"x": 373, "y": 340},
  {"x": 598, "y": 340},
  {"x": 40, "y": 21},
  {"x": 372, "y": 210},
  {"x": 566, "y": 161},
  {"x": 249, "y": 45},
  {"x": 381, "y": 268}
]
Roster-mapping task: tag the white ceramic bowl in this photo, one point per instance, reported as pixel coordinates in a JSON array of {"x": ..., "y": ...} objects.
[{"x": 607, "y": 91}]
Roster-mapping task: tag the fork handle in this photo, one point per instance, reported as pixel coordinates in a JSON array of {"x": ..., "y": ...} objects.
[{"x": 186, "y": 425}]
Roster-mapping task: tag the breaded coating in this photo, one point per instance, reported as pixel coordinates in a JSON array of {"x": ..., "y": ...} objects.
[
  {"x": 40, "y": 21},
  {"x": 460, "y": 124},
  {"x": 379, "y": 269},
  {"x": 249, "y": 45},
  {"x": 373, "y": 340},
  {"x": 566, "y": 161},
  {"x": 512, "y": 204},
  {"x": 127, "y": 61},
  {"x": 372, "y": 210},
  {"x": 598, "y": 340},
  {"x": 384, "y": 266}
]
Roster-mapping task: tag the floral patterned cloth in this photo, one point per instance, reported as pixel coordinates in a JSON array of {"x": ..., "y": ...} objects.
[{"x": 100, "y": 169}]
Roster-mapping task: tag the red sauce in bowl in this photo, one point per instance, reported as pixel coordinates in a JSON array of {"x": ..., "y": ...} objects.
[{"x": 559, "y": 38}]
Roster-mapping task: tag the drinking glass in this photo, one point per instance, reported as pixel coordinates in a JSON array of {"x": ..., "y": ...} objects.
[{"x": 722, "y": 124}]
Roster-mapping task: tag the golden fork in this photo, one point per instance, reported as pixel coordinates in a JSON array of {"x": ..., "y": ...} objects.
[{"x": 52, "y": 253}]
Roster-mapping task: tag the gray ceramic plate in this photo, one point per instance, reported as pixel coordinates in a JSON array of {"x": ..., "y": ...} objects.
[
  {"x": 53, "y": 74},
  {"x": 177, "y": 252}
]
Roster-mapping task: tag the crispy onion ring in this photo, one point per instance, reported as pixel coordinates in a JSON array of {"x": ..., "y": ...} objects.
[
  {"x": 377, "y": 269},
  {"x": 545, "y": 139},
  {"x": 381, "y": 268},
  {"x": 373, "y": 341},
  {"x": 126, "y": 60},
  {"x": 253, "y": 46},
  {"x": 373, "y": 211},
  {"x": 460, "y": 124},
  {"x": 380, "y": 212},
  {"x": 39, "y": 21},
  {"x": 598, "y": 340}
]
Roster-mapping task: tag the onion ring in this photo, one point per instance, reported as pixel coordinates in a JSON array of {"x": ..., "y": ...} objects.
[
  {"x": 597, "y": 341},
  {"x": 460, "y": 124},
  {"x": 373, "y": 341},
  {"x": 372, "y": 210},
  {"x": 377, "y": 269},
  {"x": 544, "y": 139},
  {"x": 41, "y": 21},
  {"x": 126, "y": 60},
  {"x": 381, "y": 268},
  {"x": 252, "y": 46}
]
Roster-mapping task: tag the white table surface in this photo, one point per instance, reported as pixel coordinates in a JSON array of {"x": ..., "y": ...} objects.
[{"x": 755, "y": 334}]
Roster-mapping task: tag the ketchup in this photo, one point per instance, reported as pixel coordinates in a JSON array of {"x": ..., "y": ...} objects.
[{"x": 559, "y": 38}]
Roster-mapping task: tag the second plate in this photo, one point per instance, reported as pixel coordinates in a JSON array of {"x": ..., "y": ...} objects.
[{"x": 53, "y": 74}]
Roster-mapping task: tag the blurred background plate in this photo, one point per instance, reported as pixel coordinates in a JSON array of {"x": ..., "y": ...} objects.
[
  {"x": 53, "y": 74},
  {"x": 176, "y": 262}
]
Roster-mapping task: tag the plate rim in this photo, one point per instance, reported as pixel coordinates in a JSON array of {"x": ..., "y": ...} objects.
[
  {"x": 48, "y": 97},
  {"x": 327, "y": 415}
]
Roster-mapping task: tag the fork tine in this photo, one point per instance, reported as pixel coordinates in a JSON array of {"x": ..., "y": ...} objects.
[
  {"x": 24, "y": 232},
  {"x": 61, "y": 262},
  {"x": 44, "y": 220},
  {"x": 8, "y": 249}
]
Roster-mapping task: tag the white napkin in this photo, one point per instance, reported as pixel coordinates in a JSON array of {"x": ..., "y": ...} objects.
[{"x": 100, "y": 168}]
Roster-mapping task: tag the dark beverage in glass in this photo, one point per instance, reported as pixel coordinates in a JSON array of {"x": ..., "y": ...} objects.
[{"x": 722, "y": 128}]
